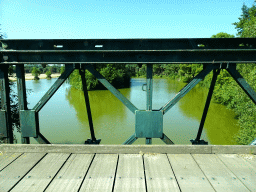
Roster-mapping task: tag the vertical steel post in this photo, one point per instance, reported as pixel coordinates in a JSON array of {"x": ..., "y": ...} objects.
[
  {"x": 5, "y": 104},
  {"x": 87, "y": 102},
  {"x": 149, "y": 86},
  {"x": 149, "y": 93},
  {"x": 207, "y": 104},
  {"x": 22, "y": 97}
]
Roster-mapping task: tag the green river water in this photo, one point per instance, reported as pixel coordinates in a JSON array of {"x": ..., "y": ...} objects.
[{"x": 63, "y": 120}]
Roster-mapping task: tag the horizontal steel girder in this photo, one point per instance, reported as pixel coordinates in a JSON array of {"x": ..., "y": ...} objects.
[{"x": 203, "y": 50}]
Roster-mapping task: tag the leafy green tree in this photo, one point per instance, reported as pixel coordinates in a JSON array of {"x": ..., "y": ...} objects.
[
  {"x": 118, "y": 75},
  {"x": 48, "y": 74},
  {"x": 222, "y": 35},
  {"x": 171, "y": 70},
  {"x": 142, "y": 70},
  {"x": 228, "y": 93},
  {"x": 35, "y": 72},
  {"x": 62, "y": 69},
  {"x": 188, "y": 71},
  {"x": 246, "y": 26}
]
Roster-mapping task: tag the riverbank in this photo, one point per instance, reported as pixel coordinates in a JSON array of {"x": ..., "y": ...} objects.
[{"x": 29, "y": 76}]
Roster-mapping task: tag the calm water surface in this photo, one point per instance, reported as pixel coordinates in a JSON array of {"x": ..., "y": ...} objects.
[{"x": 63, "y": 120}]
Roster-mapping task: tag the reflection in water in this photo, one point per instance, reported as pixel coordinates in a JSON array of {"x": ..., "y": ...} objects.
[
  {"x": 114, "y": 123},
  {"x": 220, "y": 125},
  {"x": 108, "y": 113},
  {"x": 64, "y": 118}
]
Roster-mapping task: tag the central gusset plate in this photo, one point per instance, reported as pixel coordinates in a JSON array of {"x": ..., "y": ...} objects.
[{"x": 148, "y": 124}]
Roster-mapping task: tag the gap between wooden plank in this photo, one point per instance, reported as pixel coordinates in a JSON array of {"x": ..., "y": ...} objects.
[
  {"x": 130, "y": 173},
  {"x": 189, "y": 176},
  {"x": 71, "y": 175},
  {"x": 243, "y": 170},
  {"x": 221, "y": 178},
  {"x": 100, "y": 176},
  {"x": 42, "y": 174},
  {"x": 13, "y": 173},
  {"x": 159, "y": 174}
]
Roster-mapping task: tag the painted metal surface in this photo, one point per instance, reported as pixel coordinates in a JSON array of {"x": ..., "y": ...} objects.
[
  {"x": 68, "y": 70},
  {"x": 166, "y": 139},
  {"x": 3, "y": 124},
  {"x": 214, "y": 50},
  {"x": 231, "y": 68},
  {"x": 213, "y": 53},
  {"x": 148, "y": 124},
  {"x": 149, "y": 86},
  {"x": 28, "y": 123},
  {"x": 111, "y": 88},
  {"x": 5, "y": 105},
  {"x": 88, "y": 108},
  {"x": 207, "y": 104},
  {"x": 187, "y": 88},
  {"x": 21, "y": 89}
]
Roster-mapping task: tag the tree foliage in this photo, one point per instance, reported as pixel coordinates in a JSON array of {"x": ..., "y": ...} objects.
[
  {"x": 48, "y": 74},
  {"x": 62, "y": 69},
  {"x": 246, "y": 26},
  {"x": 222, "y": 35},
  {"x": 117, "y": 74},
  {"x": 36, "y": 72}
]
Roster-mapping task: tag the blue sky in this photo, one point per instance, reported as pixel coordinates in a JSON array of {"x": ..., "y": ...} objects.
[{"x": 109, "y": 19}]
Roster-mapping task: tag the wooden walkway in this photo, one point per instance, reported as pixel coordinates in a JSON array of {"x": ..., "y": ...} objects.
[{"x": 127, "y": 168}]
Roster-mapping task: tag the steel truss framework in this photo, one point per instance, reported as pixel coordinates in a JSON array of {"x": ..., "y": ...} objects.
[{"x": 83, "y": 54}]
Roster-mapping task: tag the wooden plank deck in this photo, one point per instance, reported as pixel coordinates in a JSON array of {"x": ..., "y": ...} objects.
[{"x": 127, "y": 168}]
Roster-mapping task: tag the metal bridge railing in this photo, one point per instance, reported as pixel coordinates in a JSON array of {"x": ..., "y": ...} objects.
[{"x": 83, "y": 54}]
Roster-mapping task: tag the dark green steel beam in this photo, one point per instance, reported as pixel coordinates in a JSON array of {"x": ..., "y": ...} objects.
[
  {"x": 68, "y": 70},
  {"x": 128, "y": 44},
  {"x": 6, "y": 120},
  {"x": 132, "y": 56},
  {"x": 187, "y": 88},
  {"x": 112, "y": 89},
  {"x": 87, "y": 102},
  {"x": 207, "y": 104},
  {"x": 149, "y": 86},
  {"x": 231, "y": 68},
  {"x": 130, "y": 140},
  {"x": 149, "y": 93},
  {"x": 41, "y": 139},
  {"x": 21, "y": 87},
  {"x": 214, "y": 50},
  {"x": 148, "y": 141},
  {"x": 166, "y": 140}
]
